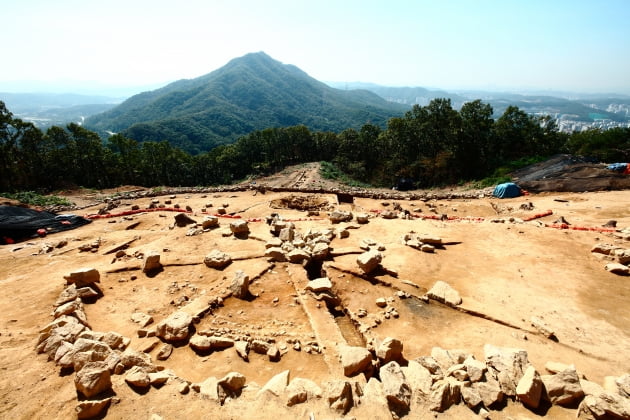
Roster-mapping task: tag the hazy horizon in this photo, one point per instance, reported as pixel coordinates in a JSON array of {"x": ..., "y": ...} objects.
[{"x": 560, "y": 46}]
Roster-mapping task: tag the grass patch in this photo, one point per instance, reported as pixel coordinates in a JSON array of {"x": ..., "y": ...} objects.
[
  {"x": 330, "y": 171},
  {"x": 34, "y": 199}
]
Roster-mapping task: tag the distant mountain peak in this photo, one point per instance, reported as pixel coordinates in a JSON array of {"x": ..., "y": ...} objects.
[{"x": 249, "y": 93}]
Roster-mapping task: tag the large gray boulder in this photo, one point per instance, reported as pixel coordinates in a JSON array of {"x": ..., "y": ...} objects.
[{"x": 175, "y": 327}]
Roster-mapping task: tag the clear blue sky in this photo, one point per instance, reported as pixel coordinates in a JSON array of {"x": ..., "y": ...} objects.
[{"x": 572, "y": 45}]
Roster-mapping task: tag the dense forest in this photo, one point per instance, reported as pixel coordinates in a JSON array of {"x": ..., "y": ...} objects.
[{"x": 431, "y": 145}]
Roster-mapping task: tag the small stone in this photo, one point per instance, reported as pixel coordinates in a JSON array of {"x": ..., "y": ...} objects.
[{"x": 151, "y": 262}]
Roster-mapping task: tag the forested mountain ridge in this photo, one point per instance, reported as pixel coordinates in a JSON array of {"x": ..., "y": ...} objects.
[{"x": 249, "y": 93}]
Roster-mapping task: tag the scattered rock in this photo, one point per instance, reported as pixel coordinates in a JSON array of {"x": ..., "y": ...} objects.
[
  {"x": 89, "y": 409},
  {"x": 217, "y": 259},
  {"x": 418, "y": 377},
  {"x": 239, "y": 227},
  {"x": 339, "y": 216},
  {"x": 141, "y": 318},
  {"x": 320, "y": 251},
  {"x": 242, "y": 349},
  {"x": 240, "y": 285},
  {"x": 83, "y": 277},
  {"x": 209, "y": 389},
  {"x": 175, "y": 327},
  {"x": 369, "y": 261},
  {"x": 529, "y": 388},
  {"x": 617, "y": 268},
  {"x": 339, "y": 396},
  {"x": 277, "y": 384},
  {"x": 300, "y": 390},
  {"x": 182, "y": 220},
  {"x": 362, "y": 218},
  {"x": 275, "y": 254},
  {"x": 320, "y": 285},
  {"x": 542, "y": 327},
  {"x": 151, "y": 262},
  {"x": 443, "y": 292},
  {"x": 298, "y": 255},
  {"x": 93, "y": 379},
  {"x": 210, "y": 222},
  {"x": 355, "y": 360},
  {"x": 563, "y": 388},
  {"x": 138, "y": 377},
  {"x": 233, "y": 381},
  {"x": 395, "y": 387},
  {"x": 603, "y": 407},
  {"x": 443, "y": 395},
  {"x": 273, "y": 353},
  {"x": 390, "y": 350},
  {"x": 165, "y": 351},
  {"x": 508, "y": 366}
]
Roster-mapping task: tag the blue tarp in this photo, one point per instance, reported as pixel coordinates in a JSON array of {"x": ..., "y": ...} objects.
[
  {"x": 507, "y": 190},
  {"x": 617, "y": 167}
]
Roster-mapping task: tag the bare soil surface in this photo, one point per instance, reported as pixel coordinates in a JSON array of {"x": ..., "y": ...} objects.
[{"x": 506, "y": 273}]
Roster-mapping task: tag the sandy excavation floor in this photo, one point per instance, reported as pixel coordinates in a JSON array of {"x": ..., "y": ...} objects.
[{"x": 506, "y": 273}]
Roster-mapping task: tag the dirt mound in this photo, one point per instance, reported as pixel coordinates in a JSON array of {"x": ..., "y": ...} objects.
[
  {"x": 566, "y": 173},
  {"x": 301, "y": 202}
]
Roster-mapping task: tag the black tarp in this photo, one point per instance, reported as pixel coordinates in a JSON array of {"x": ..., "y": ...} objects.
[{"x": 19, "y": 223}]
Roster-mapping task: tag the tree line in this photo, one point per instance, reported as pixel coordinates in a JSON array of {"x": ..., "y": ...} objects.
[{"x": 430, "y": 145}]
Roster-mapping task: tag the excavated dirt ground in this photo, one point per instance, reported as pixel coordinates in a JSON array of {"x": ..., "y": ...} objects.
[{"x": 506, "y": 273}]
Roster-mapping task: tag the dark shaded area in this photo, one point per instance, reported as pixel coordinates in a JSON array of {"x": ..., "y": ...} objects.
[{"x": 19, "y": 224}]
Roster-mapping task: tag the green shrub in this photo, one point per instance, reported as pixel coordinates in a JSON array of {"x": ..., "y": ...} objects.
[{"x": 34, "y": 199}]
